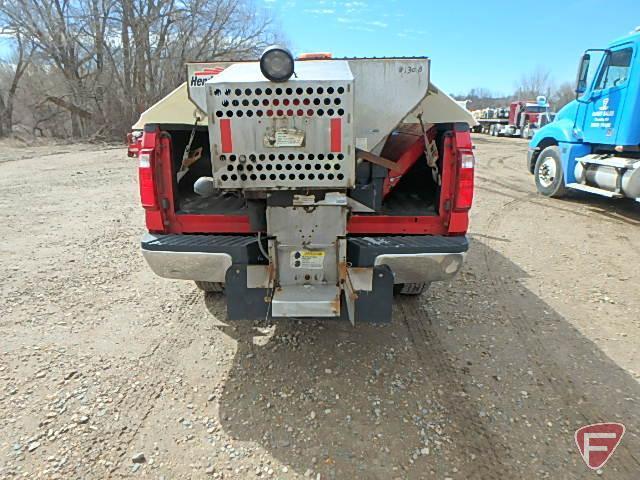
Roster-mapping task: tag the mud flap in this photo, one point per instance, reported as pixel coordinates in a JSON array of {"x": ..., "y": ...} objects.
[
  {"x": 374, "y": 306},
  {"x": 244, "y": 303},
  {"x": 249, "y": 303}
]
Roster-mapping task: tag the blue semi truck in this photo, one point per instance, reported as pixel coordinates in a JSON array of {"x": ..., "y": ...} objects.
[{"x": 594, "y": 143}]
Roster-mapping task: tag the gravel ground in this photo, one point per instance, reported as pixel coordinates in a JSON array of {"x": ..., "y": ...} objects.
[{"x": 109, "y": 371}]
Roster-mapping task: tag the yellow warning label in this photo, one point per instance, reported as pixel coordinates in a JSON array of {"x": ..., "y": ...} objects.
[{"x": 307, "y": 259}]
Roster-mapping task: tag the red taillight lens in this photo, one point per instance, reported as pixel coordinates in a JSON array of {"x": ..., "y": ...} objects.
[
  {"x": 147, "y": 183},
  {"x": 464, "y": 194},
  {"x": 133, "y": 144}
]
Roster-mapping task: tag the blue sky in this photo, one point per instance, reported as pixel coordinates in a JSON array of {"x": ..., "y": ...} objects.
[{"x": 480, "y": 43}]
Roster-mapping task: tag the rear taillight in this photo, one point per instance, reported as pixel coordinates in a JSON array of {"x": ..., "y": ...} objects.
[
  {"x": 134, "y": 140},
  {"x": 464, "y": 191},
  {"x": 147, "y": 183}
]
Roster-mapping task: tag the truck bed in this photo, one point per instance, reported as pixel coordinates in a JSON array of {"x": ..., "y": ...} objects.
[
  {"x": 400, "y": 203},
  {"x": 409, "y": 204},
  {"x": 225, "y": 204}
]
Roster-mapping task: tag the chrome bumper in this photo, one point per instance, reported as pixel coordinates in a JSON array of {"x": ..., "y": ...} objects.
[
  {"x": 207, "y": 258},
  {"x": 198, "y": 266},
  {"x": 422, "y": 267},
  {"x": 212, "y": 267}
]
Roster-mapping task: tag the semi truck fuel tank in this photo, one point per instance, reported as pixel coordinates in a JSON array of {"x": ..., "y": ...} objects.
[{"x": 610, "y": 173}]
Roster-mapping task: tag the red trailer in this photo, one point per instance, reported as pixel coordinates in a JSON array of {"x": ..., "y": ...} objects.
[{"x": 522, "y": 119}]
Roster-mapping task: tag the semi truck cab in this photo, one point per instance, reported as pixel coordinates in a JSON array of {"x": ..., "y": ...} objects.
[
  {"x": 594, "y": 143},
  {"x": 522, "y": 119}
]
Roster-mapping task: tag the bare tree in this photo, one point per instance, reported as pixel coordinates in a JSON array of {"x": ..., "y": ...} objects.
[
  {"x": 538, "y": 82},
  {"x": 56, "y": 28},
  {"x": 564, "y": 94},
  {"x": 480, "y": 98},
  {"x": 114, "y": 58},
  {"x": 531, "y": 85},
  {"x": 14, "y": 71},
  {"x": 155, "y": 40}
]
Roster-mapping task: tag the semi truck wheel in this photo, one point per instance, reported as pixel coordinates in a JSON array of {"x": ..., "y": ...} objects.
[
  {"x": 548, "y": 173},
  {"x": 213, "y": 287},
  {"x": 410, "y": 288}
]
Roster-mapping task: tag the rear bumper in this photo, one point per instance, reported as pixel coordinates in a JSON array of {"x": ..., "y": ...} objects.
[
  {"x": 412, "y": 259},
  {"x": 203, "y": 258},
  {"x": 198, "y": 266},
  {"x": 422, "y": 267}
]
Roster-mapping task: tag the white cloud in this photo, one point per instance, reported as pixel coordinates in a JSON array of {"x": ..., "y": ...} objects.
[
  {"x": 351, "y": 13},
  {"x": 321, "y": 11},
  {"x": 360, "y": 28},
  {"x": 350, "y": 21}
]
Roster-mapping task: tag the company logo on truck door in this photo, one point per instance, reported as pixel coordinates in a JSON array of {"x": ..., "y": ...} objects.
[
  {"x": 198, "y": 79},
  {"x": 603, "y": 116}
]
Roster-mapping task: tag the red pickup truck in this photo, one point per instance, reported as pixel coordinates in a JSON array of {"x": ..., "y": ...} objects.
[{"x": 306, "y": 188}]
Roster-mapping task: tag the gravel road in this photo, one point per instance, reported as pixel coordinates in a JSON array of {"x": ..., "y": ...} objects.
[{"x": 107, "y": 371}]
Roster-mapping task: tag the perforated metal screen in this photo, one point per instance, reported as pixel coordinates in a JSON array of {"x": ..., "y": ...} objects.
[
  {"x": 283, "y": 169},
  {"x": 297, "y": 134}
]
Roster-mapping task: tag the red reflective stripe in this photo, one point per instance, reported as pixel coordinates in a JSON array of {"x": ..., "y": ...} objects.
[
  {"x": 210, "y": 71},
  {"x": 225, "y": 135},
  {"x": 336, "y": 134}
]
